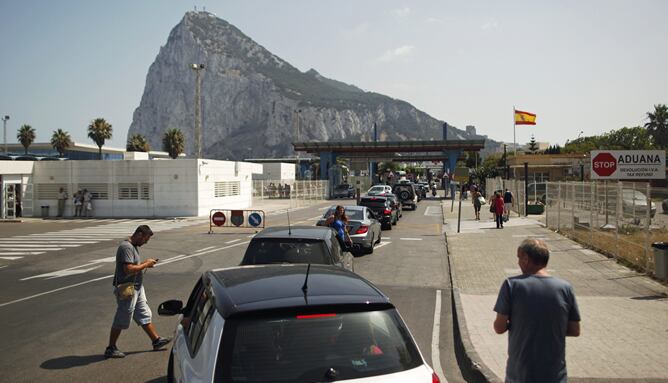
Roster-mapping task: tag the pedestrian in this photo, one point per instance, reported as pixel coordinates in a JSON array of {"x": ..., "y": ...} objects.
[
  {"x": 538, "y": 311},
  {"x": 130, "y": 295},
  {"x": 62, "y": 199},
  {"x": 508, "y": 201},
  {"x": 87, "y": 203},
  {"x": 78, "y": 203},
  {"x": 477, "y": 203},
  {"x": 339, "y": 221},
  {"x": 498, "y": 209}
]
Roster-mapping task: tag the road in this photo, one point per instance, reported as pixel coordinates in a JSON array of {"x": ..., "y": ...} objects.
[{"x": 57, "y": 305}]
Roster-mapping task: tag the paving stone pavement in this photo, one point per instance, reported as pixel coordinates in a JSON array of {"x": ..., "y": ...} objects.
[{"x": 624, "y": 314}]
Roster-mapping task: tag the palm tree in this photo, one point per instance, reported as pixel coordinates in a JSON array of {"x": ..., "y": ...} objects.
[
  {"x": 658, "y": 125},
  {"x": 98, "y": 131},
  {"x": 173, "y": 142},
  {"x": 26, "y": 136},
  {"x": 137, "y": 143},
  {"x": 60, "y": 141}
]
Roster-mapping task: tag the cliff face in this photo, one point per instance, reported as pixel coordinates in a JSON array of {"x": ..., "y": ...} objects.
[{"x": 254, "y": 104}]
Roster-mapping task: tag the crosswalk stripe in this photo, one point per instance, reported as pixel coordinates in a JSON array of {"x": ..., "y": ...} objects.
[
  {"x": 5, "y": 255},
  {"x": 3, "y": 245},
  {"x": 10, "y": 258},
  {"x": 2, "y": 248}
]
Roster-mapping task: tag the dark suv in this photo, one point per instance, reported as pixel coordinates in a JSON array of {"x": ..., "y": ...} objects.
[
  {"x": 297, "y": 244},
  {"x": 382, "y": 207},
  {"x": 407, "y": 194},
  {"x": 290, "y": 324}
]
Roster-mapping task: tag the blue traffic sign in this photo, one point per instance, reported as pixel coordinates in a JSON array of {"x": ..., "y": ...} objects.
[{"x": 255, "y": 219}]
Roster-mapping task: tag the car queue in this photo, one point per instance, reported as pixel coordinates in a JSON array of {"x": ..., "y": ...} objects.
[{"x": 295, "y": 311}]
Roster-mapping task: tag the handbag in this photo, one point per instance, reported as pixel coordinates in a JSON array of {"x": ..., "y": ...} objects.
[
  {"x": 482, "y": 201},
  {"x": 492, "y": 209},
  {"x": 126, "y": 290}
]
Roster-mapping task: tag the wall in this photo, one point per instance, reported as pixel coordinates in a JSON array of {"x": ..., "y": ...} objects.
[{"x": 276, "y": 171}]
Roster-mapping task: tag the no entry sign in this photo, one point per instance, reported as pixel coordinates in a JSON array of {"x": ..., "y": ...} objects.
[
  {"x": 218, "y": 218},
  {"x": 628, "y": 164}
]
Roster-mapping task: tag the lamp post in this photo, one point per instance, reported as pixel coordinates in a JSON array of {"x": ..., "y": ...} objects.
[
  {"x": 4, "y": 132},
  {"x": 299, "y": 165},
  {"x": 198, "y": 109}
]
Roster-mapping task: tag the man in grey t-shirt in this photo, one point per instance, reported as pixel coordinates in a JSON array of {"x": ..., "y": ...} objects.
[
  {"x": 539, "y": 312},
  {"x": 130, "y": 269}
]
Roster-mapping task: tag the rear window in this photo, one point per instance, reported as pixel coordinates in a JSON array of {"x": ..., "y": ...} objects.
[
  {"x": 304, "y": 348},
  {"x": 372, "y": 202},
  {"x": 270, "y": 250},
  {"x": 351, "y": 214},
  {"x": 341, "y": 187}
]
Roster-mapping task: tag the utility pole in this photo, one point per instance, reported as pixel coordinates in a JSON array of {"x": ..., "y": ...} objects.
[
  {"x": 198, "y": 109},
  {"x": 299, "y": 165},
  {"x": 4, "y": 132}
]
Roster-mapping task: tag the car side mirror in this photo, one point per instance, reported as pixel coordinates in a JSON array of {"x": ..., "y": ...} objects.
[{"x": 171, "y": 307}]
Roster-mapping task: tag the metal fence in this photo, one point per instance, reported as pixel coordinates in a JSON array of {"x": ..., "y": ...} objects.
[
  {"x": 290, "y": 190},
  {"x": 610, "y": 217}
]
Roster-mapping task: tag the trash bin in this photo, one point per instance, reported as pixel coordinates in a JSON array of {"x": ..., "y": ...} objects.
[
  {"x": 45, "y": 211},
  {"x": 660, "y": 259}
]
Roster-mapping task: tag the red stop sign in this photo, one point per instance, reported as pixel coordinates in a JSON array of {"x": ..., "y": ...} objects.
[
  {"x": 604, "y": 164},
  {"x": 218, "y": 218}
]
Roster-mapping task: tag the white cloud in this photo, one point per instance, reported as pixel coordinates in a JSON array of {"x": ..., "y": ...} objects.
[
  {"x": 401, "y": 12},
  {"x": 392, "y": 54},
  {"x": 489, "y": 25}
]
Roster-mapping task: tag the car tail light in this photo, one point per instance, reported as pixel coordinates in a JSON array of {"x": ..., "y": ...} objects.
[
  {"x": 434, "y": 378},
  {"x": 314, "y": 316},
  {"x": 362, "y": 229},
  {"x": 387, "y": 211}
]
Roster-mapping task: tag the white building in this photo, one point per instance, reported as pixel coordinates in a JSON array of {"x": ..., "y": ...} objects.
[{"x": 128, "y": 188}]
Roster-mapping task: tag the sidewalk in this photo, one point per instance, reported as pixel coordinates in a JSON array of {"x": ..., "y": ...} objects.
[{"x": 624, "y": 314}]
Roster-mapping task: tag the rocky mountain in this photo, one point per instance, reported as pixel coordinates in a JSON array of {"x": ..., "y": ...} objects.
[{"x": 254, "y": 104}]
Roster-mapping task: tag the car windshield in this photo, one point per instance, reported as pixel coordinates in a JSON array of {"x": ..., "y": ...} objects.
[
  {"x": 352, "y": 214},
  {"x": 377, "y": 189},
  {"x": 303, "y": 348},
  {"x": 633, "y": 194},
  {"x": 341, "y": 187},
  {"x": 263, "y": 251}
]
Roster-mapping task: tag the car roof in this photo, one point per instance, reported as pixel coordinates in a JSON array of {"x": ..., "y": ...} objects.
[
  {"x": 239, "y": 290},
  {"x": 283, "y": 232}
]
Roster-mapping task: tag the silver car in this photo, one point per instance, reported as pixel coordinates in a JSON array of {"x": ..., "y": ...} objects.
[{"x": 364, "y": 228}]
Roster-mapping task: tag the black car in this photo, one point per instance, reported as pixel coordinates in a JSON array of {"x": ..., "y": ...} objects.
[
  {"x": 290, "y": 323},
  {"x": 382, "y": 207},
  {"x": 407, "y": 194},
  {"x": 297, "y": 244},
  {"x": 396, "y": 205}
]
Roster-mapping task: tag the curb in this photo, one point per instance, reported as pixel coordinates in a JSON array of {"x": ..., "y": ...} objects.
[{"x": 470, "y": 364}]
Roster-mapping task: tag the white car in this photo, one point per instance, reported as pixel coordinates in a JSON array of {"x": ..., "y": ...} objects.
[
  {"x": 291, "y": 323},
  {"x": 379, "y": 190}
]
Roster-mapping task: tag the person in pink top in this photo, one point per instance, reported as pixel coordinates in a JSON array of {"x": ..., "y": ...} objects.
[{"x": 498, "y": 209}]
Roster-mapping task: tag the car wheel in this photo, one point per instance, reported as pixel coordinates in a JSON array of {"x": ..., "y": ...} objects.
[
  {"x": 170, "y": 368},
  {"x": 405, "y": 195}
]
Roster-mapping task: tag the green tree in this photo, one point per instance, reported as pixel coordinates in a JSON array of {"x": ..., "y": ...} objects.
[
  {"x": 26, "y": 136},
  {"x": 173, "y": 142},
  {"x": 60, "y": 141},
  {"x": 533, "y": 147},
  {"x": 99, "y": 130},
  {"x": 658, "y": 125},
  {"x": 636, "y": 138},
  {"x": 137, "y": 143}
]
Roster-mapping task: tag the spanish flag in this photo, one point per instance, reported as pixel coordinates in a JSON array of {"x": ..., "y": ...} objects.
[{"x": 524, "y": 118}]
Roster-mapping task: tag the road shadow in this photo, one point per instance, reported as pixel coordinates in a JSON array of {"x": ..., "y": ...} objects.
[
  {"x": 71, "y": 361},
  {"x": 161, "y": 379}
]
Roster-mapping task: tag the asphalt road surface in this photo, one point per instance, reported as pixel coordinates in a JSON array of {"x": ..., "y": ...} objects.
[{"x": 56, "y": 294}]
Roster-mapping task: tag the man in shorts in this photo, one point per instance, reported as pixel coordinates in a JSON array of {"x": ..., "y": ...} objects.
[
  {"x": 130, "y": 269},
  {"x": 508, "y": 201}
]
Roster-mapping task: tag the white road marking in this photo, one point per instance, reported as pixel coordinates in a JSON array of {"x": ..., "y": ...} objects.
[
  {"x": 432, "y": 210},
  {"x": 72, "y": 270},
  {"x": 435, "y": 339},
  {"x": 250, "y": 236},
  {"x": 381, "y": 245},
  {"x": 57, "y": 241},
  {"x": 3, "y": 266},
  {"x": 232, "y": 241},
  {"x": 12, "y": 258},
  {"x": 19, "y": 244},
  {"x": 2, "y": 248},
  {"x": 316, "y": 217},
  {"x": 206, "y": 248},
  {"x": 411, "y": 239}
]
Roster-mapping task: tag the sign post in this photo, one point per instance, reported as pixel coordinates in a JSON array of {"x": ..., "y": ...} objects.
[{"x": 628, "y": 164}]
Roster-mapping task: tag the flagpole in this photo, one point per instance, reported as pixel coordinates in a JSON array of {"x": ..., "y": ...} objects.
[{"x": 514, "y": 140}]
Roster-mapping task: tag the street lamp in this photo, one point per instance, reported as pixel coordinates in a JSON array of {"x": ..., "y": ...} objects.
[
  {"x": 198, "y": 109},
  {"x": 299, "y": 165},
  {"x": 4, "y": 131}
]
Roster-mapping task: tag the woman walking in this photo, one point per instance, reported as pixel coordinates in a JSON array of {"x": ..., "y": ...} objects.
[
  {"x": 475, "y": 196},
  {"x": 498, "y": 209}
]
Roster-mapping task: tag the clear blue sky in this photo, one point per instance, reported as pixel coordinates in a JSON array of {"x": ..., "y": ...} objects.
[{"x": 588, "y": 66}]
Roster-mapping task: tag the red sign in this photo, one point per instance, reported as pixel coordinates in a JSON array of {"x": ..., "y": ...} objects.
[
  {"x": 604, "y": 164},
  {"x": 218, "y": 218}
]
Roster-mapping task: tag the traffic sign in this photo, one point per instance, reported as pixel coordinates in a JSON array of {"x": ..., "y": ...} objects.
[
  {"x": 254, "y": 219},
  {"x": 237, "y": 217},
  {"x": 218, "y": 218},
  {"x": 604, "y": 164}
]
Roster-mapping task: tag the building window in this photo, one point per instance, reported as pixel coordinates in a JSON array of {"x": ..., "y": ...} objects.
[
  {"x": 226, "y": 189},
  {"x": 98, "y": 191},
  {"x": 128, "y": 191},
  {"x": 145, "y": 191},
  {"x": 50, "y": 191}
]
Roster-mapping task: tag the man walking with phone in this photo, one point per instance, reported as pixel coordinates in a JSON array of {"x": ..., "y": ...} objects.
[{"x": 129, "y": 292}]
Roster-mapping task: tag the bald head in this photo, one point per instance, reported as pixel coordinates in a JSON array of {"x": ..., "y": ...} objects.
[{"x": 536, "y": 250}]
